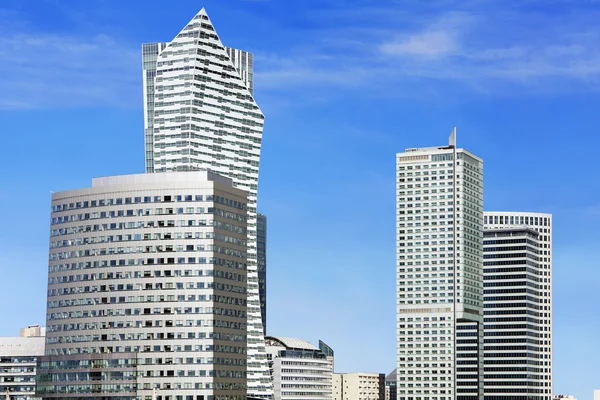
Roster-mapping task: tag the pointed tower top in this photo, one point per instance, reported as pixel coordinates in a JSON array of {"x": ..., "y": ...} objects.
[{"x": 452, "y": 139}]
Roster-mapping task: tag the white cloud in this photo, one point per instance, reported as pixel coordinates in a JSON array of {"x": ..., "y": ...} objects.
[
  {"x": 441, "y": 38},
  {"x": 432, "y": 44}
]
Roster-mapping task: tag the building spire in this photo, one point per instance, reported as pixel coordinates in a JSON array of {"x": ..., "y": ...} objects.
[{"x": 452, "y": 139}]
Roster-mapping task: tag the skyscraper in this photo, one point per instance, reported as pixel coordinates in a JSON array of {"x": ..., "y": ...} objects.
[
  {"x": 518, "y": 305},
  {"x": 242, "y": 60},
  {"x": 204, "y": 117},
  {"x": 147, "y": 290},
  {"x": 261, "y": 247},
  {"x": 150, "y": 52},
  {"x": 439, "y": 221}
]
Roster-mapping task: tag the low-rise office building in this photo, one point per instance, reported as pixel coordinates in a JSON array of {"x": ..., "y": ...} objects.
[
  {"x": 300, "y": 369},
  {"x": 359, "y": 386},
  {"x": 18, "y": 357},
  {"x": 33, "y": 331}
]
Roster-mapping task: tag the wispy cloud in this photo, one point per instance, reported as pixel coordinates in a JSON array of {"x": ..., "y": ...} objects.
[
  {"x": 486, "y": 50},
  {"x": 441, "y": 39},
  {"x": 382, "y": 50},
  {"x": 431, "y": 44},
  {"x": 42, "y": 70}
]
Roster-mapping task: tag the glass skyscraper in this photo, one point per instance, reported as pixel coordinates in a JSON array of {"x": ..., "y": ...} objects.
[
  {"x": 518, "y": 305},
  {"x": 201, "y": 115}
]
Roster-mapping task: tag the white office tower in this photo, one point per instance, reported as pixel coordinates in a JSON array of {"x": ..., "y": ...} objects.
[
  {"x": 147, "y": 290},
  {"x": 242, "y": 60},
  {"x": 439, "y": 220},
  {"x": 203, "y": 117},
  {"x": 518, "y": 305},
  {"x": 300, "y": 369}
]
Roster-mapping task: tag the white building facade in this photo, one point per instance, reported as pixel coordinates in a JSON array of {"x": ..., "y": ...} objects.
[
  {"x": 439, "y": 221},
  {"x": 203, "y": 117},
  {"x": 300, "y": 369},
  {"x": 147, "y": 290},
  {"x": 535, "y": 284},
  {"x": 359, "y": 386},
  {"x": 18, "y": 358}
]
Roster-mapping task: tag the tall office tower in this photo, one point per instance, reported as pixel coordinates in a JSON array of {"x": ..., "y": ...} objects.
[
  {"x": 18, "y": 357},
  {"x": 531, "y": 276},
  {"x": 150, "y": 52},
  {"x": 261, "y": 261},
  {"x": 300, "y": 369},
  {"x": 439, "y": 220},
  {"x": 242, "y": 60},
  {"x": 147, "y": 290},
  {"x": 513, "y": 351},
  {"x": 203, "y": 117}
]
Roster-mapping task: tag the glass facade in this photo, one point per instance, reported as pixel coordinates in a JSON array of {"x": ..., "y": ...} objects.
[
  {"x": 524, "y": 264},
  {"x": 95, "y": 377},
  {"x": 514, "y": 363},
  {"x": 148, "y": 271}
]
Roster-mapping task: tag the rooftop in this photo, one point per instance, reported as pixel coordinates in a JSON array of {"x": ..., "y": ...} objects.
[{"x": 290, "y": 343}]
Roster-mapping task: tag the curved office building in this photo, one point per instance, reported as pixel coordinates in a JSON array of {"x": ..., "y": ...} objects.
[
  {"x": 147, "y": 290},
  {"x": 300, "y": 369}
]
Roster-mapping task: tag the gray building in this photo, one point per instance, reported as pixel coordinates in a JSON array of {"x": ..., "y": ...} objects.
[
  {"x": 391, "y": 385},
  {"x": 261, "y": 261},
  {"x": 147, "y": 290},
  {"x": 513, "y": 349},
  {"x": 531, "y": 276},
  {"x": 18, "y": 358}
]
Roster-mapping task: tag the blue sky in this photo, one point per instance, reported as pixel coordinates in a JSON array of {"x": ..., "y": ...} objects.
[{"x": 344, "y": 86}]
